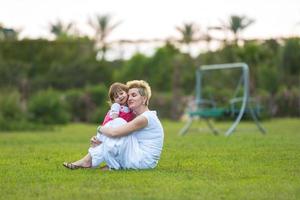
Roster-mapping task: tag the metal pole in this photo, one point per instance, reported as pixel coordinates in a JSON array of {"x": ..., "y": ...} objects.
[
  {"x": 198, "y": 88},
  {"x": 245, "y": 99}
]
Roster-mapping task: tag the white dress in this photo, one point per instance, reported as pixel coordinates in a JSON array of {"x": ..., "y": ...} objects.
[{"x": 139, "y": 150}]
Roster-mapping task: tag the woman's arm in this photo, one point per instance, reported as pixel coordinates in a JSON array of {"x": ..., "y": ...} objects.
[{"x": 134, "y": 125}]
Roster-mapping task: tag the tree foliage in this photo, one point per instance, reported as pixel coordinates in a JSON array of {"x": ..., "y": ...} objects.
[
  {"x": 290, "y": 56},
  {"x": 236, "y": 24},
  {"x": 71, "y": 69}
]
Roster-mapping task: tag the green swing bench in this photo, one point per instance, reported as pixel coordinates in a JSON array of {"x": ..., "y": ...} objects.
[{"x": 207, "y": 109}]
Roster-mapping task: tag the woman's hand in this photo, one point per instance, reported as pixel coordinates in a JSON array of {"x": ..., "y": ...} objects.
[{"x": 94, "y": 141}]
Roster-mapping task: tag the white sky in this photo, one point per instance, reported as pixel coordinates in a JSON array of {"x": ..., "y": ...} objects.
[{"x": 153, "y": 18}]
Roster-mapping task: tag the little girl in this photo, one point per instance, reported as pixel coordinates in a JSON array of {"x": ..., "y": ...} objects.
[{"x": 118, "y": 99}]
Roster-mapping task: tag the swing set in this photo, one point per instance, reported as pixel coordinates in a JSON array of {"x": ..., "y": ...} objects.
[{"x": 239, "y": 105}]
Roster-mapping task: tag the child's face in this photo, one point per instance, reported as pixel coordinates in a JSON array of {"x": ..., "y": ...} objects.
[{"x": 121, "y": 97}]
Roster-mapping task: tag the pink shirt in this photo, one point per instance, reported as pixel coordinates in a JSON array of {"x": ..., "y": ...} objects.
[{"x": 122, "y": 111}]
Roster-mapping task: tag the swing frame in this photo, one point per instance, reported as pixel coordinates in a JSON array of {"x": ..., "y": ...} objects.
[{"x": 208, "y": 113}]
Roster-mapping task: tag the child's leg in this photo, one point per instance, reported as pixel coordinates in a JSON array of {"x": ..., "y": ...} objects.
[
  {"x": 111, "y": 146},
  {"x": 117, "y": 122},
  {"x": 106, "y": 152},
  {"x": 113, "y": 123}
]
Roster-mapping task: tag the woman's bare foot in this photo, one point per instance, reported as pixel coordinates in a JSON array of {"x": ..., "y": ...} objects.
[
  {"x": 82, "y": 163},
  {"x": 85, "y": 162}
]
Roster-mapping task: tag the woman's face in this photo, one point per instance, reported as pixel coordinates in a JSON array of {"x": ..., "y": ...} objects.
[{"x": 135, "y": 100}]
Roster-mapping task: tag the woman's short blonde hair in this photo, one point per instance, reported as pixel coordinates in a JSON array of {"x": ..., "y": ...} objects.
[{"x": 143, "y": 88}]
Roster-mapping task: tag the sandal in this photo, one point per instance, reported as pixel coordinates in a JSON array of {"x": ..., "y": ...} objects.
[{"x": 72, "y": 166}]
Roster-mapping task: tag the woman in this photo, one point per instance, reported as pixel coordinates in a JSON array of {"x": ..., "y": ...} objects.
[{"x": 133, "y": 145}]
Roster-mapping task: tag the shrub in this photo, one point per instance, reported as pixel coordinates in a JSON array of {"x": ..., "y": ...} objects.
[
  {"x": 98, "y": 94},
  {"x": 162, "y": 102},
  {"x": 88, "y": 105},
  {"x": 97, "y": 116},
  {"x": 22, "y": 125},
  {"x": 287, "y": 101},
  {"x": 48, "y": 107},
  {"x": 10, "y": 106},
  {"x": 267, "y": 103},
  {"x": 76, "y": 105}
]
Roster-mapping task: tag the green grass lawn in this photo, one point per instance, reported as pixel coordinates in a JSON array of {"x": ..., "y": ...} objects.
[{"x": 246, "y": 165}]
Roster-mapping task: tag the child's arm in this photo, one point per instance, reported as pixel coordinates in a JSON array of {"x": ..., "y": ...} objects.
[{"x": 115, "y": 110}]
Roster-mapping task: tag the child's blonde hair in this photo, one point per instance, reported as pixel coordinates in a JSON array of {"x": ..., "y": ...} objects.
[
  {"x": 114, "y": 89},
  {"x": 143, "y": 88}
]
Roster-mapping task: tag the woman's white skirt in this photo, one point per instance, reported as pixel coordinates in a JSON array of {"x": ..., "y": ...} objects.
[{"x": 122, "y": 152}]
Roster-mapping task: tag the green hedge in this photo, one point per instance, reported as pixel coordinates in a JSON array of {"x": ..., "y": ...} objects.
[
  {"x": 10, "y": 106},
  {"x": 88, "y": 104},
  {"x": 48, "y": 107}
]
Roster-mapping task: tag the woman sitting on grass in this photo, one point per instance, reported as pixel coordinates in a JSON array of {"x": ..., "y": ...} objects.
[{"x": 133, "y": 145}]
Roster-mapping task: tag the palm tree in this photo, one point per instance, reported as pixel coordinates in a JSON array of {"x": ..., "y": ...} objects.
[
  {"x": 188, "y": 32},
  {"x": 61, "y": 30},
  {"x": 237, "y": 24},
  {"x": 103, "y": 26},
  {"x": 219, "y": 29},
  {"x": 207, "y": 38}
]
